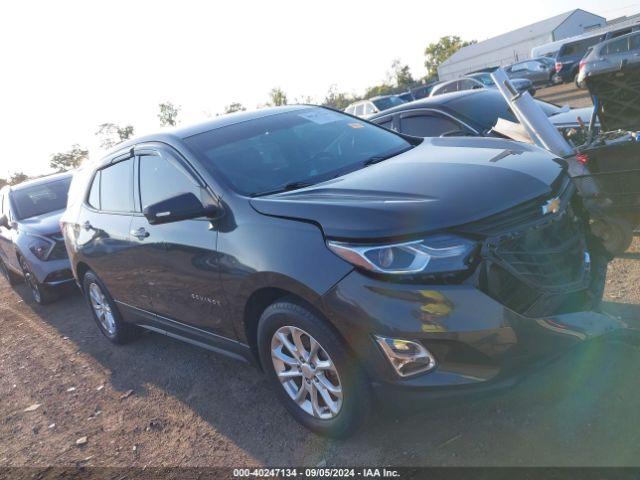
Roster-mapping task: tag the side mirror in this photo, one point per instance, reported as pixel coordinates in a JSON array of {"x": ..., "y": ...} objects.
[
  {"x": 181, "y": 207},
  {"x": 4, "y": 221}
]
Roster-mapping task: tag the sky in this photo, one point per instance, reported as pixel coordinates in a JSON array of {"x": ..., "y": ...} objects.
[{"x": 68, "y": 66}]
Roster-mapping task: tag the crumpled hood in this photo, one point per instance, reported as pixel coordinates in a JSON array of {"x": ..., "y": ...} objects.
[
  {"x": 442, "y": 183},
  {"x": 46, "y": 224}
]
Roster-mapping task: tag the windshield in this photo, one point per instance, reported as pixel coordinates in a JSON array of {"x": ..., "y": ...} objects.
[
  {"x": 40, "y": 199},
  {"x": 387, "y": 102},
  {"x": 292, "y": 149}
]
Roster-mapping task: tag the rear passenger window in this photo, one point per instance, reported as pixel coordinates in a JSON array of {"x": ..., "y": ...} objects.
[
  {"x": 618, "y": 46},
  {"x": 162, "y": 178},
  {"x": 94, "y": 193},
  {"x": 387, "y": 123},
  {"x": 360, "y": 110},
  {"x": 116, "y": 187},
  {"x": 634, "y": 42}
]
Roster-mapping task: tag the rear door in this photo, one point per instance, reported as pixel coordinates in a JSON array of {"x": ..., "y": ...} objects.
[
  {"x": 177, "y": 262},
  {"x": 103, "y": 234}
]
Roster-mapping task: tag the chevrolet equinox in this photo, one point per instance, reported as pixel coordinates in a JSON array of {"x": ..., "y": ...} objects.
[{"x": 349, "y": 262}]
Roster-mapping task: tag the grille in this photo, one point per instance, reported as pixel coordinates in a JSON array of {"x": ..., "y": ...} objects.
[
  {"x": 522, "y": 214},
  {"x": 550, "y": 257}
]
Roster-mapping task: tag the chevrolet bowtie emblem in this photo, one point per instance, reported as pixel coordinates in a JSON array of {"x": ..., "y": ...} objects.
[{"x": 552, "y": 206}]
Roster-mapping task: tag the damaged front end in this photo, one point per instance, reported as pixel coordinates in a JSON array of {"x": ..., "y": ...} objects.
[
  {"x": 540, "y": 259},
  {"x": 605, "y": 167}
]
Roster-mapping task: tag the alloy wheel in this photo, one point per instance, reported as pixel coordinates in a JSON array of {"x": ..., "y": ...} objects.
[
  {"x": 101, "y": 308},
  {"x": 306, "y": 372},
  {"x": 32, "y": 283}
]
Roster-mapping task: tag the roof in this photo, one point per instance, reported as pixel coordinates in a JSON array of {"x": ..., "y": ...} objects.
[{"x": 510, "y": 38}]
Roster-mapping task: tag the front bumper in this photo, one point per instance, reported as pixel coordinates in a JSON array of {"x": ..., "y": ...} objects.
[{"x": 479, "y": 344}]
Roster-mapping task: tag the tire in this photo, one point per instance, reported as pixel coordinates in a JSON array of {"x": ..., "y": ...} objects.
[
  {"x": 41, "y": 294},
  {"x": 616, "y": 234},
  {"x": 105, "y": 311},
  {"x": 11, "y": 277},
  {"x": 351, "y": 406}
]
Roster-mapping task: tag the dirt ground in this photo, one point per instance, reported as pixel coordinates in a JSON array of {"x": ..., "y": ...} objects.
[
  {"x": 159, "y": 402},
  {"x": 69, "y": 397}
]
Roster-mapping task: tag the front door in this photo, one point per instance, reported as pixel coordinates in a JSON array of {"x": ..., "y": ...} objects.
[{"x": 177, "y": 262}]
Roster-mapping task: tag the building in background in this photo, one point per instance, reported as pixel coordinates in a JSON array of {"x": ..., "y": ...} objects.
[{"x": 516, "y": 45}]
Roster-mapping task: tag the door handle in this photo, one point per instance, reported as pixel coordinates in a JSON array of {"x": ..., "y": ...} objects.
[{"x": 140, "y": 233}]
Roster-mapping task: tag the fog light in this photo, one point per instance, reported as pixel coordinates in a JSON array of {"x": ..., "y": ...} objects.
[{"x": 406, "y": 357}]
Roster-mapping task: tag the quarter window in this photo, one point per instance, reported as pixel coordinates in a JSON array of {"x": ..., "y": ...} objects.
[
  {"x": 161, "y": 178},
  {"x": 116, "y": 187},
  {"x": 634, "y": 42},
  {"x": 359, "y": 109}
]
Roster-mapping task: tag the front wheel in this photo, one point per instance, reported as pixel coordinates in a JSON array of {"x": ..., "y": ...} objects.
[
  {"x": 11, "y": 277},
  {"x": 316, "y": 378},
  {"x": 40, "y": 293},
  {"x": 105, "y": 311}
]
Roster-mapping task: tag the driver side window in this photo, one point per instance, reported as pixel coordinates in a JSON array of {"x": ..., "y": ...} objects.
[{"x": 162, "y": 177}]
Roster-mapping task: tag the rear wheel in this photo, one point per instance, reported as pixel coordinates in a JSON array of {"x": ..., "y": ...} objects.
[
  {"x": 39, "y": 292},
  {"x": 316, "y": 378},
  {"x": 105, "y": 311}
]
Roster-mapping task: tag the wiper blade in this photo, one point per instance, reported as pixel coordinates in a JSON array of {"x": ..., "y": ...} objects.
[
  {"x": 381, "y": 158},
  {"x": 285, "y": 188}
]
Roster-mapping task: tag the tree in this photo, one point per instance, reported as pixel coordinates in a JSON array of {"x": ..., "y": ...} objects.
[
  {"x": 168, "y": 114},
  {"x": 338, "y": 100},
  {"x": 113, "y": 134},
  {"x": 69, "y": 160},
  {"x": 234, "y": 107},
  {"x": 277, "y": 97},
  {"x": 3, "y": 182},
  {"x": 402, "y": 75},
  {"x": 438, "y": 52},
  {"x": 18, "y": 177}
]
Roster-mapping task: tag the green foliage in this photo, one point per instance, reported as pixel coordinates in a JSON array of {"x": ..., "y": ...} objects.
[
  {"x": 338, "y": 100},
  {"x": 277, "y": 97},
  {"x": 113, "y": 134},
  {"x": 234, "y": 107},
  {"x": 402, "y": 76},
  {"x": 438, "y": 52},
  {"x": 69, "y": 160},
  {"x": 18, "y": 177},
  {"x": 168, "y": 115}
]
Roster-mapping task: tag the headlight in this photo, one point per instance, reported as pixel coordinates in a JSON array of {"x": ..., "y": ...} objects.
[
  {"x": 40, "y": 246},
  {"x": 435, "y": 254}
]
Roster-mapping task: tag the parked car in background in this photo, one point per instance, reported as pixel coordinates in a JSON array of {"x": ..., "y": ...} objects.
[
  {"x": 468, "y": 113},
  {"x": 485, "y": 81},
  {"x": 349, "y": 262},
  {"x": 31, "y": 244},
  {"x": 422, "y": 91},
  {"x": 366, "y": 108},
  {"x": 569, "y": 56},
  {"x": 610, "y": 56},
  {"x": 539, "y": 71}
]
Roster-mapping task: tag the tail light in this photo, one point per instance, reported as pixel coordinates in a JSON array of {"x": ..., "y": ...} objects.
[
  {"x": 558, "y": 66},
  {"x": 582, "y": 64},
  {"x": 582, "y": 158}
]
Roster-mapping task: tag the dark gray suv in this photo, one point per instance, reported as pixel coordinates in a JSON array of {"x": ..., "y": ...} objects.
[{"x": 31, "y": 245}]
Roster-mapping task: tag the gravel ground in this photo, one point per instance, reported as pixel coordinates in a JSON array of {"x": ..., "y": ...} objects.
[
  {"x": 566, "y": 94},
  {"x": 69, "y": 397},
  {"x": 159, "y": 402}
]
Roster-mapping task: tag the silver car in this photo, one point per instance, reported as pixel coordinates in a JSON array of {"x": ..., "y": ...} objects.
[{"x": 610, "y": 55}]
